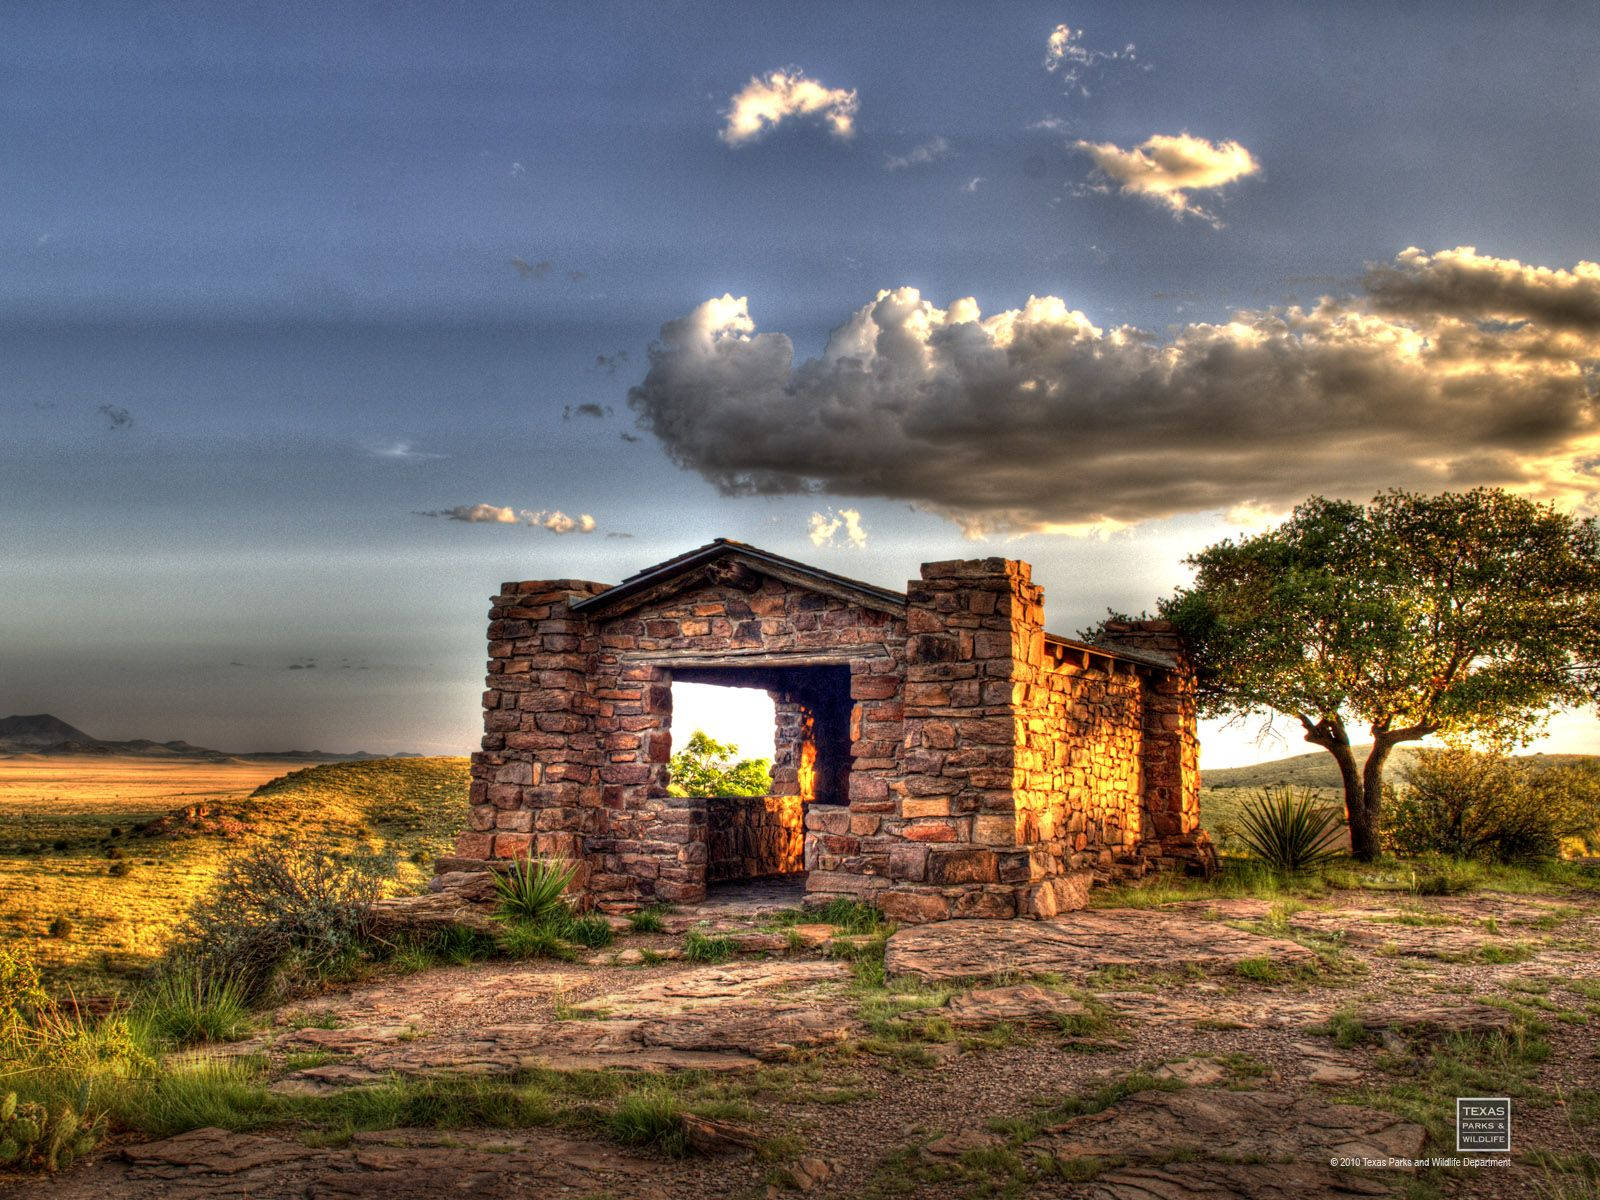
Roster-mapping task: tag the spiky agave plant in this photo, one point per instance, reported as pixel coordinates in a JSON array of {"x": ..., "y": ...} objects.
[
  {"x": 532, "y": 891},
  {"x": 1286, "y": 828}
]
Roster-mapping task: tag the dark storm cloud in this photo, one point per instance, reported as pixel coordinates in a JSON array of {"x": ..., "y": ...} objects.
[
  {"x": 1475, "y": 287},
  {"x": 1449, "y": 369}
]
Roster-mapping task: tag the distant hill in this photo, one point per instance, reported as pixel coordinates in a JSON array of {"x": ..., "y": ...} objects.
[
  {"x": 37, "y": 732},
  {"x": 408, "y": 803},
  {"x": 1318, "y": 770},
  {"x": 48, "y": 735}
]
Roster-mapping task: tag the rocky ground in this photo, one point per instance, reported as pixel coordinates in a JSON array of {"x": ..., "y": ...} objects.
[{"x": 1226, "y": 1048}]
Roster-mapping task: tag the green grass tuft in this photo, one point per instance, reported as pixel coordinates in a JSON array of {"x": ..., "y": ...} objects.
[
  {"x": 706, "y": 948},
  {"x": 187, "y": 1006}
]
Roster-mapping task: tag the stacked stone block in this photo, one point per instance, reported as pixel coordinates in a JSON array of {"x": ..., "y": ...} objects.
[{"x": 752, "y": 837}]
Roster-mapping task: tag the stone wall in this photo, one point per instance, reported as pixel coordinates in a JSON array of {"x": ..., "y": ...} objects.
[
  {"x": 1080, "y": 771},
  {"x": 951, "y": 761},
  {"x": 749, "y": 837}
]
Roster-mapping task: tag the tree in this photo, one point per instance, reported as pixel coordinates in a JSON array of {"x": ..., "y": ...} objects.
[
  {"x": 1470, "y": 615},
  {"x": 706, "y": 767}
]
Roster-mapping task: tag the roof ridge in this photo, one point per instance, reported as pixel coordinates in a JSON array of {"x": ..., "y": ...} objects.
[{"x": 719, "y": 546}]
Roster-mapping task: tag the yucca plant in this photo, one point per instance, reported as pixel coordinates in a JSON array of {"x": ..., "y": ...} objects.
[
  {"x": 532, "y": 891},
  {"x": 1286, "y": 828}
]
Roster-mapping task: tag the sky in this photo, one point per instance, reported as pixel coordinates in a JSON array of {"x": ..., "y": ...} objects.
[{"x": 319, "y": 321}]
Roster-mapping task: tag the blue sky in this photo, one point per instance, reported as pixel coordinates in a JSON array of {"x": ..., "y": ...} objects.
[{"x": 280, "y": 279}]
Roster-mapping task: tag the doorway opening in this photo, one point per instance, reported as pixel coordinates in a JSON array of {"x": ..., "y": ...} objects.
[{"x": 762, "y": 837}]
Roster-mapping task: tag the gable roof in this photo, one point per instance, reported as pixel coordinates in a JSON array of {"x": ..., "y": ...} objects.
[{"x": 653, "y": 581}]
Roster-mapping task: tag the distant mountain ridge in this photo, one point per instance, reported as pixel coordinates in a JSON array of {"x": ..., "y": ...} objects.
[{"x": 48, "y": 735}]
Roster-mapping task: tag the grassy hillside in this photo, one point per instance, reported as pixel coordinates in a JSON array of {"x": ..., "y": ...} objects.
[
  {"x": 1318, "y": 770},
  {"x": 111, "y": 856},
  {"x": 1223, "y": 792}
]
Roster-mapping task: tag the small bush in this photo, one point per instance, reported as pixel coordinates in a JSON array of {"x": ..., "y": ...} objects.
[
  {"x": 702, "y": 948},
  {"x": 186, "y": 1006},
  {"x": 1488, "y": 807},
  {"x": 533, "y": 891},
  {"x": 1288, "y": 829},
  {"x": 277, "y": 905},
  {"x": 22, "y": 995}
]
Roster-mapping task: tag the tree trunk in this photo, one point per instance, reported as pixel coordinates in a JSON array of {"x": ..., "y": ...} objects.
[
  {"x": 1372, "y": 791},
  {"x": 1358, "y": 813}
]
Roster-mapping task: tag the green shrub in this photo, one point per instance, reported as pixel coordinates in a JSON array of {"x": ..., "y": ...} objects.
[
  {"x": 533, "y": 891},
  {"x": 186, "y": 1006},
  {"x": 1490, "y": 807},
  {"x": 22, "y": 995},
  {"x": 279, "y": 904},
  {"x": 1288, "y": 829}
]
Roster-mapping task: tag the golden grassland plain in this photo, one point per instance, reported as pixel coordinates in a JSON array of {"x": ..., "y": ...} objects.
[{"x": 98, "y": 898}]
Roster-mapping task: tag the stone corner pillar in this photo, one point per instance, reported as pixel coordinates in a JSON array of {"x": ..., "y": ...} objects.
[
  {"x": 533, "y": 778},
  {"x": 974, "y": 635}
]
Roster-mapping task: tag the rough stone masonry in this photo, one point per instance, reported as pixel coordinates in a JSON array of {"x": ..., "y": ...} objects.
[{"x": 937, "y": 752}]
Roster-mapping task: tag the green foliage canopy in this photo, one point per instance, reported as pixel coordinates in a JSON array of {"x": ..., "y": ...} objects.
[
  {"x": 1469, "y": 615},
  {"x": 707, "y": 767}
]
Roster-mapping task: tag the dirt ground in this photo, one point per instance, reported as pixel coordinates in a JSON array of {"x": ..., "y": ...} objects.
[{"x": 1226, "y": 1048}]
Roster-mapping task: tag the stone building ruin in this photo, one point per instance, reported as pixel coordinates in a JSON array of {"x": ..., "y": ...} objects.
[{"x": 937, "y": 752}]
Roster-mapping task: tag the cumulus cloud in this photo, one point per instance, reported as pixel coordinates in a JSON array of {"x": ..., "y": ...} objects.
[
  {"x": 1442, "y": 371},
  {"x": 554, "y": 520},
  {"x": 930, "y": 151},
  {"x": 768, "y": 100},
  {"x": 1166, "y": 168},
  {"x": 825, "y": 528},
  {"x": 1065, "y": 54}
]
